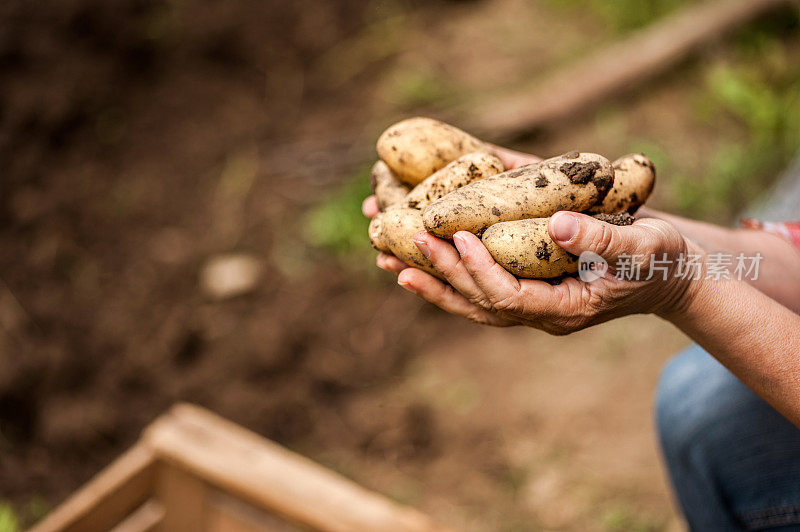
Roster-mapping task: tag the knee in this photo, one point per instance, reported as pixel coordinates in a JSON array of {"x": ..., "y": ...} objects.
[{"x": 692, "y": 393}]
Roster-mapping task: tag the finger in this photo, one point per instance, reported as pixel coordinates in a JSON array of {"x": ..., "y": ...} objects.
[
  {"x": 541, "y": 300},
  {"x": 446, "y": 259},
  {"x": 390, "y": 263},
  {"x": 499, "y": 286},
  {"x": 577, "y": 233},
  {"x": 513, "y": 159},
  {"x": 446, "y": 298},
  {"x": 370, "y": 207},
  {"x": 557, "y": 309}
]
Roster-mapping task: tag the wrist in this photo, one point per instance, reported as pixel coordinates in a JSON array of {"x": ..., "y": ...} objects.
[
  {"x": 684, "y": 293},
  {"x": 688, "y": 301}
]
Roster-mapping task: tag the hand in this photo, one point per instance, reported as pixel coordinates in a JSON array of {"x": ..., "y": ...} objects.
[
  {"x": 481, "y": 290},
  {"x": 511, "y": 159}
]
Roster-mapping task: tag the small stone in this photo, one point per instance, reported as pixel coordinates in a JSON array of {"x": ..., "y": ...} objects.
[{"x": 229, "y": 275}]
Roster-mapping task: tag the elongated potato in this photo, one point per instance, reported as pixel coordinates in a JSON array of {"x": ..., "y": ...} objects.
[
  {"x": 388, "y": 190},
  {"x": 394, "y": 234},
  {"x": 417, "y": 147},
  {"x": 456, "y": 174},
  {"x": 634, "y": 179},
  {"x": 524, "y": 247},
  {"x": 573, "y": 181},
  {"x": 462, "y": 171}
]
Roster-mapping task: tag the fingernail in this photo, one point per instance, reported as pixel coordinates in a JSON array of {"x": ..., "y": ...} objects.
[
  {"x": 461, "y": 243},
  {"x": 406, "y": 286},
  {"x": 565, "y": 227},
  {"x": 423, "y": 247}
]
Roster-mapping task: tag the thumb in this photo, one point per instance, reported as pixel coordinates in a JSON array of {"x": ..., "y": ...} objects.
[{"x": 577, "y": 233}]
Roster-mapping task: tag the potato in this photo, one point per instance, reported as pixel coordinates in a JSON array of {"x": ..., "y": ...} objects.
[
  {"x": 376, "y": 234},
  {"x": 573, "y": 181},
  {"x": 634, "y": 179},
  {"x": 462, "y": 171},
  {"x": 394, "y": 234},
  {"x": 524, "y": 247},
  {"x": 388, "y": 190},
  {"x": 417, "y": 147}
]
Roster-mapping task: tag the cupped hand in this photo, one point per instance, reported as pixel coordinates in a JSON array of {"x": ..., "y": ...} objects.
[{"x": 481, "y": 290}]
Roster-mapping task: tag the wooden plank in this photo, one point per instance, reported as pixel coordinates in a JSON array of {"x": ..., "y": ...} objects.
[
  {"x": 185, "y": 499},
  {"x": 228, "y": 514},
  {"x": 147, "y": 518},
  {"x": 108, "y": 498},
  {"x": 267, "y": 475},
  {"x": 614, "y": 69}
]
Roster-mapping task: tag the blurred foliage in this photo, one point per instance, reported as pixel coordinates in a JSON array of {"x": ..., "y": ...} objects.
[
  {"x": 9, "y": 522},
  {"x": 750, "y": 98},
  {"x": 336, "y": 224},
  {"x": 412, "y": 87},
  {"x": 12, "y": 518},
  {"x": 625, "y": 15},
  {"x": 37, "y": 508},
  {"x": 761, "y": 92}
]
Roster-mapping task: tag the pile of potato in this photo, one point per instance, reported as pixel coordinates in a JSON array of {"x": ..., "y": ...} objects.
[{"x": 434, "y": 177}]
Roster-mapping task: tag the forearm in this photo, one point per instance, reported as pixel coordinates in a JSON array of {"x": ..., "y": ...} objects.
[
  {"x": 779, "y": 270},
  {"x": 754, "y": 336}
]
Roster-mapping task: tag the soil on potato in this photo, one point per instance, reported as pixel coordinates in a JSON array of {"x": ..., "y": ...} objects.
[{"x": 620, "y": 218}]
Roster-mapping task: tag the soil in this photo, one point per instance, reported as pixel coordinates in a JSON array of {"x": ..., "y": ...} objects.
[
  {"x": 122, "y": 144},
  {"x": 541, "y": 182},
  {"x": 579, "y": 173},
  {"x": 138, "y": 138},
  {"x": 542, "y": 251},
  {"x": 621, "y": 218}
]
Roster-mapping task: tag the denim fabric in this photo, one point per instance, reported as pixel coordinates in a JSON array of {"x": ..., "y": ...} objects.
[{"x": 734, "y": 462}]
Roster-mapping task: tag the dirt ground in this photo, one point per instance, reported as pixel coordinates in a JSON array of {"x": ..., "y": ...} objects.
[{"x": 138, "y": 138}]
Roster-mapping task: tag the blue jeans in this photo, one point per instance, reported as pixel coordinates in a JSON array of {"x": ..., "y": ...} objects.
[{"x": 734, "y": 462}]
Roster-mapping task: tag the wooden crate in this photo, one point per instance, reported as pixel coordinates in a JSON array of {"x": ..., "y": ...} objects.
[{"x": 195, "y": 471}]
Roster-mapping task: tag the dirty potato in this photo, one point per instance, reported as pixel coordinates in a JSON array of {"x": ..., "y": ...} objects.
[
  {"x": 462, "y": 171},
  {"x": 634, "y": 179},
  {"x": 397, "y": 228},
  {"x": 417, "y": 147},
  {"x": 388, "y": 190},
  {"x": 524, "y": 247},
  {"x": 573, "y": 181}
]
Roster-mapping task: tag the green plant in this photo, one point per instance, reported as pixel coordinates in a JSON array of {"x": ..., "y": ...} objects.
[
  {"x": 37, "y": 507},
  {"x": 416, "y": 87},
  {"x": 9, "y": 522},
  {"x": 336, "y": 223},
  {"x": 765, "y": 100}
]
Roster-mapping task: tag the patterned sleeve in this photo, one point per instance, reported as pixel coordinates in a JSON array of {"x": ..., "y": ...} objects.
[{"x": 788, "y": 230}]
